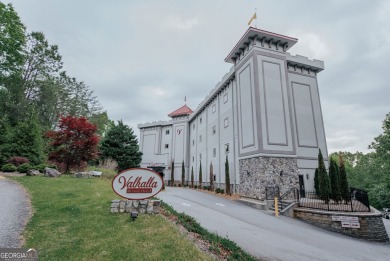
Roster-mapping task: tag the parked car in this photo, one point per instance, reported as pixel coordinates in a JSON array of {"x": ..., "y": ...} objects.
[{"x": 386, "y": 213}]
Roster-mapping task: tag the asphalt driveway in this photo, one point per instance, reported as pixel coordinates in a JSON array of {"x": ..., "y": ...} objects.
[
  {"x": 269, "y": 237},
  {"x": 14, "y": 213}
]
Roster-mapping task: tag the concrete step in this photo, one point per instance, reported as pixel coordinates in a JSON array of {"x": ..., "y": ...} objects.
[{"x": 258, "y": 204}]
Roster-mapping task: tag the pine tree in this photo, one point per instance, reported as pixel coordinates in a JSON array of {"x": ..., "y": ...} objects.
[
  {"x": 344, "y": 188},
  {"x": 334, "y": 180},
  {"x": 316, "y": 182},
  {"x": 227, "y": 177},
  {"x": 172, "y": 173},
  {"x": 200, "y": 175},
  {"x": 183, "y": 173},
  {"x": 192, "y": 176},
  {"x": 121, "y": 145},
  {"x": 211, "y": 177},
  {"x": 26, "y": 141},
  {"x": 324, "y": 185}
]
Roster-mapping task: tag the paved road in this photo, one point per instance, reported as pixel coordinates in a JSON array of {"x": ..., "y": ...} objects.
[
  {"x": 14, "y": 212},
  {"x": 268, "y": 237}
]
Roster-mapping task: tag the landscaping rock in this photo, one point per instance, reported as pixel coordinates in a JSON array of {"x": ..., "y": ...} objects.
[
  {"x": 142, "y": 210},
  {"x": 135, "y": 203},
  {"x": 83, "y": 175},
  {"x": 143, "y": 202},
  {"x": 53, "y": 173},
  {"x": 33, "y": 172}
]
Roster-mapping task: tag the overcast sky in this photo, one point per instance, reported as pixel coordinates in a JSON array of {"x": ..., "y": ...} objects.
[{"x": 141, "y": 58}]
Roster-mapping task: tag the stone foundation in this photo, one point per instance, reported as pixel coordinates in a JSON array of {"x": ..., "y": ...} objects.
[
  {"x": 141, "y": 206},
  {"x": 371, "y": 223},
  {"x": 260, "y": 172}
]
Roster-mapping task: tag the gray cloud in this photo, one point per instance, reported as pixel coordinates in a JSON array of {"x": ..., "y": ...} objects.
[{"x": 142, "y": 57}]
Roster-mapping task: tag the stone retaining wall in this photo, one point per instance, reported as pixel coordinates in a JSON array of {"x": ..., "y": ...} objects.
[
  {"x": 141, "y": 206},
  {"x": 371, "y": 223},
  {"x": 260, "y": 172}
]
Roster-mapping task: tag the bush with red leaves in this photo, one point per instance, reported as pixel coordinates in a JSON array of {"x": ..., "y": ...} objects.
[
  {"x": 16, "y": 161},
  {"x": 74, "y": 143}
]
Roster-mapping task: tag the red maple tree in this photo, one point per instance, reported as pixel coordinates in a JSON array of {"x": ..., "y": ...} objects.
[{"x": 74, "y": 142}]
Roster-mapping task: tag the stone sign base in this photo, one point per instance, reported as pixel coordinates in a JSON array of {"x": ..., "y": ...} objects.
[{"x": 146, "y": 206}]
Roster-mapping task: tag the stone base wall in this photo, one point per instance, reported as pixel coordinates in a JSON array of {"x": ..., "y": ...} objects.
[
  {"x": 260, "y": 172},
  {"x": 371, "y": 223},
  {"x": 141, "y": 206}
]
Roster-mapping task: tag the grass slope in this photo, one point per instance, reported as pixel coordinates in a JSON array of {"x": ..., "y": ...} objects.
[{"x": 71, "y": 221}]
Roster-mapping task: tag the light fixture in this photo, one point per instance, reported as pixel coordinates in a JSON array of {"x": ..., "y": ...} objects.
[
  {"x": 133, "y": 215},
  {"x": 307, "y": 175},
  {"x": 281, "y": 173}
]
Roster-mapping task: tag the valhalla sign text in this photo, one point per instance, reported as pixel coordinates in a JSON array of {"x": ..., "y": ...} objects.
[{"x": 137, "y": 184}]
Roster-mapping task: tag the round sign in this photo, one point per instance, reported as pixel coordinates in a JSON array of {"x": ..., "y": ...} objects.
[{"x": 137, "y": 183}]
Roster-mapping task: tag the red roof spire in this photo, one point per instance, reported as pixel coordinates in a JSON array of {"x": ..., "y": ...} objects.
[{"x": 183, "y": 110}]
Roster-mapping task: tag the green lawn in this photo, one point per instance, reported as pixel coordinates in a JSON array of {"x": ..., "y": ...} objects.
[{"x": 71, "y": 221}]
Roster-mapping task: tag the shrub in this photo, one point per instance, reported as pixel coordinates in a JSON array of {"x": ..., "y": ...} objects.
[
  {"x": 195, "y": 186},
  {"x": 17, "y": 161},
  {"x": 40, "y": 167},
  {"x": 217, "y": 190},
  {"x": 8, "y": 168},
  {"x": 24, "y": 168}
]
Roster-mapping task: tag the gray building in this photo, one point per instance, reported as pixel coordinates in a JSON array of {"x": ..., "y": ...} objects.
[{"x": 264, "y": 116}]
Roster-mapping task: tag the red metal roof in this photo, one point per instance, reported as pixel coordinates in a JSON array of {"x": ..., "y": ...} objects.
[{"x": 183, "y": 110}]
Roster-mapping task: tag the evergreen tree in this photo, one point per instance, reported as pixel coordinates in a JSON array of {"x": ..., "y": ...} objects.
[
  {"x": 192, "y": 176},
  {"x": 172, "y": 173},
  {"x": 121, "y": 144},
  {"x": 316, "y": 182},
  {"x": 334, "y": 179},
  {"x": 344, "y": 188},
  {"x": 4, "y": 139},
  {"x": 26, "y": 141},
  {"x": 227, "y": 177},
  {"x": 200, "y": 175},
  {"x": 183, "y": 173},
  {"x": 211, "y": 177},
  {"x": 323, "y": 179}
]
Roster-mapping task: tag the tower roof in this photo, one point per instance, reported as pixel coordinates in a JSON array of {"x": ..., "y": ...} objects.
[
  {"x": 264, "y": 36},
  {"x": 183, "y": 110}
]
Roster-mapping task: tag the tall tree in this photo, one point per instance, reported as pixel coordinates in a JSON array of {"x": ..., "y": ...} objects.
[
  {"x": 172, "y": 172},
  {"x": 381, "y": 144},
  {"x": 316, "y": 182},
  {"x": 323, "y": 179},
  {"x": 121, "y": 144},
  {"x": 74, "y": 143},
  {"x": 227, "y": 177},
  {"x": 200, "y": 175},
  {"x": 183, "y": 173},
  {"x": 192, "y": 176},
  {"x": 334, "y": 179},
  {"x": 12, "y": 41},
  {"x": 211, "y": 177},
  {"x": 344, "y": 188},
  {"x": 5, "y": 137}
]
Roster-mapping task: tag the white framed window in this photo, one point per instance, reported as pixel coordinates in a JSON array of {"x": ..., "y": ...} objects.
[
  {"x": 227, "y": 148},
  {"x": 225, "y": 98},
  {"x": 214, "y": 129},
  {"x": 200, "y": 138},
  {"x": 200, "y": 120},
  {"x": 200, "y": 156},
  {"x": 193, "y": 158},
  {"x": 166, "y": 146},
  {"x": 213, "y": 108},
  {"x": 193, "y": 126},
  {"x": 193, "y": 142},
  {"x": 167, "y": 132},
  {"x": 214, "y": 152},
  {"x": 226, "y": 122}
]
